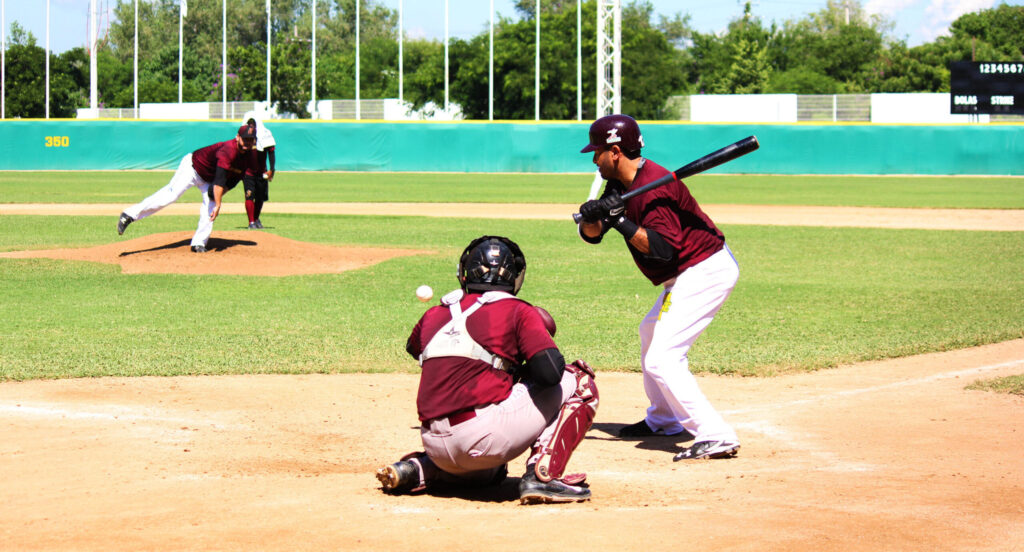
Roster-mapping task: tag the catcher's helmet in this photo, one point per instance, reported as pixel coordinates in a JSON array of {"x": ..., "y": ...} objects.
[
  {"x": 615, "y": 129},
  {"x": 492, "y": 263}
]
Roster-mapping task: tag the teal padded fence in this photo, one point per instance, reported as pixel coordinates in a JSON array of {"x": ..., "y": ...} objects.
[{"x": 519, "y": 147}]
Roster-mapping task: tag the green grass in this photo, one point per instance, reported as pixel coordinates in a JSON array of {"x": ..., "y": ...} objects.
[
  {"x": 926, "y": 191},
  {"x": 1013, "y": 385},
  {"x": 808, "y": 298}
]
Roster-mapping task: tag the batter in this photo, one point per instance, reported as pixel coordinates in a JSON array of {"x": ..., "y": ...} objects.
[{"x": 676, "y": 246}]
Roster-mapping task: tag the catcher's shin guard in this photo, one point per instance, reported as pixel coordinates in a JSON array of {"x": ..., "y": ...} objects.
[{"x": 573, "y": 422}]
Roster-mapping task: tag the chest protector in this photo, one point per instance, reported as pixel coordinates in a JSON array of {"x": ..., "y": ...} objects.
[{"x": 454, "y": 340}]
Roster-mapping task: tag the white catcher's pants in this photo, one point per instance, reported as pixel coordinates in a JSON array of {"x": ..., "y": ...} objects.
[
  {"x": 184, "y": 178},
  {"x": 682, "y": 312}
]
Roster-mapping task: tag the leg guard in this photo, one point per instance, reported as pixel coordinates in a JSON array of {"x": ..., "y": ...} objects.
[{"x": 573, "y": 422}]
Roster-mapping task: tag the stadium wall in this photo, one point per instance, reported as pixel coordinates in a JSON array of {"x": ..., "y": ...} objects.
[{"x": 992, "y": 149}]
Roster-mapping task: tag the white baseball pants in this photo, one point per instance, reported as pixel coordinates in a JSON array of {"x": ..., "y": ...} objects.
[
  {"x": 682, "y": 312},
  {"x": 185, "y": 177}
]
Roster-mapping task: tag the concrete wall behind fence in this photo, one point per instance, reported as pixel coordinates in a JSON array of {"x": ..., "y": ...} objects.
[{"x": 991, "y": 149}]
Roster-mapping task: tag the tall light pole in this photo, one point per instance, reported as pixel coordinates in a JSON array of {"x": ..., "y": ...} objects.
[
  {"x": 223, "y": 58},
  {"x": 268, "y": 54},
  {"x": 3, "y": 59},
  {"x": 135, "y": 63},
  {"x": 358, "y": 112},
  {"x": 182, "y": 11},
  {"x": 446, "y": 57},
  {"x": 490, "y": 71},
  {"x": 312, "y": 77},
  {"x": 47, "y": 59},
  {"x": 536, "y": 69},
  {"x": 93, "y": 103}
]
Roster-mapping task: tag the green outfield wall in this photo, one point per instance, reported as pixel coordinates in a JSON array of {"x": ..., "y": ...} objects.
[{"x": 991, "y": 149}]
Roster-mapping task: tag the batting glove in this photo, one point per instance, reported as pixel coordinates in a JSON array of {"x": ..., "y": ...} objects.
[
  {"x": 613, "y": 205},
  {"x": 592, "y": 211}
]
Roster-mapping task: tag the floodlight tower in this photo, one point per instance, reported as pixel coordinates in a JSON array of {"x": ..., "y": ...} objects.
[{"x": 609, "y": 57}]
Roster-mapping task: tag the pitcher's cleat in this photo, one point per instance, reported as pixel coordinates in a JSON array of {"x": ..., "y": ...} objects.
[{"x": 122, "y": 222}]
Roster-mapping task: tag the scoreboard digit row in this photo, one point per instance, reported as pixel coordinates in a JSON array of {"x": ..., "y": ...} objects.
[{"x": 986, "y": 87}]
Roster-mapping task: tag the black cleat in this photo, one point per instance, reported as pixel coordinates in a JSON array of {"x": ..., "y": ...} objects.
[
  {"x": 709, "y": 449},
  {"x": 641, "y": 429},
  {"x": 198, "y": 249},
  {"x": 400, "y": 477},
  {"x": 123, "y": 223},
  {"x": 534, "y": 491}
]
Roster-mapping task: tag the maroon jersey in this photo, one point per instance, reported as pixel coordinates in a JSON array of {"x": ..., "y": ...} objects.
[
  {"x": 226, "y": 155},
  {"x": 673, "y": 213},
  {"x": 509, "y": 328}
]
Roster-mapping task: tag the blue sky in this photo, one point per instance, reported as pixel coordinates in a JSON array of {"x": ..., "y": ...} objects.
[{"x": 916, "y": 21}]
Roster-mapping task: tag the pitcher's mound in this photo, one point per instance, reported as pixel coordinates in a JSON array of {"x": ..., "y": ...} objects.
[{"x": 239, "y": 253}]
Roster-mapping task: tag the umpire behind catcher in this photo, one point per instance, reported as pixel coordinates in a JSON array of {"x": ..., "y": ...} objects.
[
  {"x": 677, "y": 246},
  {"x": 493, "y": 385}
]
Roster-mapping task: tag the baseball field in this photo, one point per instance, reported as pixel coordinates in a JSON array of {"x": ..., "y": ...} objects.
[{"x": 871, "y": 359}]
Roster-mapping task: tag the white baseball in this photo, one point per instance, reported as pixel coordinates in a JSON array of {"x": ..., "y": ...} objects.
[{"x": 424, "y": 293}]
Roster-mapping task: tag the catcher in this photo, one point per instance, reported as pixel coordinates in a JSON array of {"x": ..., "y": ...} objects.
[{"x": 494, "y": 385}]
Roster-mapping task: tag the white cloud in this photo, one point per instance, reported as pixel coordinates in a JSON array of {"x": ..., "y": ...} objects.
[
  {"x": 940, "y": 13},
  {"x": 888, "y": 7}
]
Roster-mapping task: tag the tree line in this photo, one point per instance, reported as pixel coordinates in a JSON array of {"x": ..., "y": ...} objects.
[{"x": 840, "y": 49}]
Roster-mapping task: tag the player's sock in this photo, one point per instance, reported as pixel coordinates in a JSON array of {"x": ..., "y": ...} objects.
[
  {"x": 250, "y": 209},
  {"x": 257, "y": 209}
]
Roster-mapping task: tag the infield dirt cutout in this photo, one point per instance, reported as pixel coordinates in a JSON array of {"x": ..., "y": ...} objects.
[{"x": 890, "y": 455}]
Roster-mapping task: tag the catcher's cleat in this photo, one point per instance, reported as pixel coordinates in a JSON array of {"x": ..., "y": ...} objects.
[
  {"x": 400, "y": 477},
  {"x": 709, "y": 449},
  {"x": 533, "y": 491},
  {"x": 122, "y": 222}
]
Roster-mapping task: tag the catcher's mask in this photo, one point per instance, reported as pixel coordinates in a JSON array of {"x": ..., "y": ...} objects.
[{"x": 492, "y": 263}]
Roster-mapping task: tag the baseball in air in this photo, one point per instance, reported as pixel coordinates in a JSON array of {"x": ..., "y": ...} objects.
[{"x": 424, "y": 293}]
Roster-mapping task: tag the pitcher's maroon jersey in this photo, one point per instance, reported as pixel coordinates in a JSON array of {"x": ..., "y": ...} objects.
[
  {"x": 509, "y": 328},
  {"x": 226, "y": 155}
]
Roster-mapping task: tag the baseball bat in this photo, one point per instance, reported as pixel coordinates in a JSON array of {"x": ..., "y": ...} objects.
[{"x": 709, "y": 161}]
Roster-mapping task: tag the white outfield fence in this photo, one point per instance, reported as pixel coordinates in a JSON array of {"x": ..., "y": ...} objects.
[{"x": 911, "y": 108}]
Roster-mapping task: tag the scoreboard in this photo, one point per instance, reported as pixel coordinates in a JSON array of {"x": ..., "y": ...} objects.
[{"x": 986, "y": 87}]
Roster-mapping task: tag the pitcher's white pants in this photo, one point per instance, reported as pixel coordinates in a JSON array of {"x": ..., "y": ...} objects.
[
  {"x": 184, "y": 178},
  {"x": 684, "y": 309}
]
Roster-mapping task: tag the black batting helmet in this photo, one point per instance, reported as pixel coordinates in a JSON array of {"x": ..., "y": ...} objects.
[
  {"x": 620, "y": 130},
  {"x": 492, "y": 263}
]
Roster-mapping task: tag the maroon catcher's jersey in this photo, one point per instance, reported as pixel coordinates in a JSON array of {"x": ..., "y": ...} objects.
[
  {"x": 674, "y": 214},
  {"x": 509, "y": 328},
  {"x": 226, "y": 155}
]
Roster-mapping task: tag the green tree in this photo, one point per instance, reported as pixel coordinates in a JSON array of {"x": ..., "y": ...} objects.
[{"x": 26, "y": 78}]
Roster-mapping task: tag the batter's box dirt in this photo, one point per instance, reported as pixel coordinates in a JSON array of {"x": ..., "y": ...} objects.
[{"x": 232, "y": 253}]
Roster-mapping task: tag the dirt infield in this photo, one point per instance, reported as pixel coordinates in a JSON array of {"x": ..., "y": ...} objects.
[
  {"x": 242, "y": 253},
  {"x": 787, "y": 215},
  {"x": 892, "y": 455}
]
